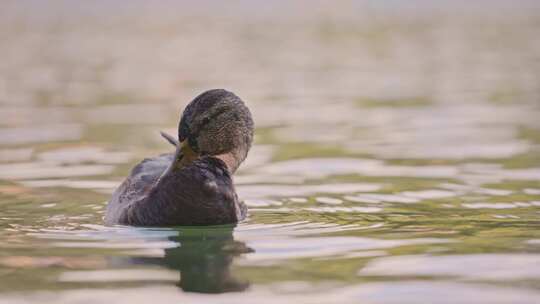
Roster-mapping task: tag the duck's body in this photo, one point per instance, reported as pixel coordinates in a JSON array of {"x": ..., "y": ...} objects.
[
  {"x": 190, "y": 186},
  {"x": 201, "y": 193}
]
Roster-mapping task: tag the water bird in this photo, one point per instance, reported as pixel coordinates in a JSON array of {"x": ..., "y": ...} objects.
[{"x": 192, "y": 186}]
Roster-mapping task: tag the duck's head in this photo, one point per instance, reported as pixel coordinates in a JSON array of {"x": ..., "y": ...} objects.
[{"x": 216, "y": 123}]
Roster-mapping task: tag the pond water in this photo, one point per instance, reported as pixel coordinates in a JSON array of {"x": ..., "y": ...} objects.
[{"x": 396, "y": 157}]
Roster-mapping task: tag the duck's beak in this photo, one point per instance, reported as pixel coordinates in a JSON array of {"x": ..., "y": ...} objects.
[{"x": 185, "y": 154}]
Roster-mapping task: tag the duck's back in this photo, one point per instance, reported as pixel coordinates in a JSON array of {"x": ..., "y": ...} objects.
[{"x": 136, "y": 185}]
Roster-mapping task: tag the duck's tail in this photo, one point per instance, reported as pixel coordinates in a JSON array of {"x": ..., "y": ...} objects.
[{"x": 173, "y": 141}]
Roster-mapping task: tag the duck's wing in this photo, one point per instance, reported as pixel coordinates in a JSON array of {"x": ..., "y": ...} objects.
[
  {"x": 141, "y": 179},
  {"x": 139, "y": 182}
]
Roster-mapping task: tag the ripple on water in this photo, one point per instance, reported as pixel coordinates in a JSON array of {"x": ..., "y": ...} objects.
[
  {"x": 406, "y": 292},
  {"x": 532, "y": 191},
  {"x": 43, "y": 134},
  {"x": 262, "y": 203},
  {"x": 284, "y": 247},
  {"x": 119, "y": 275},
  {"x": 78, "y": 155},
  {"x": 16, "y": 155},
  {"x": 17, "y": 171},
  {"x": 378, "y": 198},
  {"x": 463, "y": 189},
  {"x": 429, "y": 194},
  {"x": 501, "y": 205},
  {"x": 328, "y": 200},
  {"x": 76, "y": 184},
  {"x": 498, "y": 267},
  {"x": 324, "y": 167},
  {"x": 343, "y": 209},
  {"x": 278, "y": 190},
  {"x": 271, "y": 242}
]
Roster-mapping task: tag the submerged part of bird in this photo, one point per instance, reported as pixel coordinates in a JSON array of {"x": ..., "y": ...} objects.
[{"x": 193, "y": 185}]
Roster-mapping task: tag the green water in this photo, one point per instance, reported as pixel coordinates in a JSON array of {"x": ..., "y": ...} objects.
[{"x": 396, "y": 157}]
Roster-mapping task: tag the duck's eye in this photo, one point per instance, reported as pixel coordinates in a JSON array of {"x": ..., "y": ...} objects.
[{"x": 205, "y": 120}]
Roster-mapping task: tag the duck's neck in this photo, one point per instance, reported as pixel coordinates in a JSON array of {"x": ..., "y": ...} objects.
[
  {"x": 230, "y": 161},
  {"x": 234, "y": 158}
]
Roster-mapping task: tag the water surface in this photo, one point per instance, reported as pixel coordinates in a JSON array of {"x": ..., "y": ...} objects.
[{"x": 396, "y": 157}]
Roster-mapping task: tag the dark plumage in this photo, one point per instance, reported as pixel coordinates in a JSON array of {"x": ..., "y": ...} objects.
[{"x": 192, "y": 186}]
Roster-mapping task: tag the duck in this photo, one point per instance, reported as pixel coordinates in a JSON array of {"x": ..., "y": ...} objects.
[{"x": 192, "y": 186}]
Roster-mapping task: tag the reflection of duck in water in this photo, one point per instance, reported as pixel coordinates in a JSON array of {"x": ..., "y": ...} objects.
[
  {"x": 192, "y": 186},
  {"x": 204, "y": 258}
]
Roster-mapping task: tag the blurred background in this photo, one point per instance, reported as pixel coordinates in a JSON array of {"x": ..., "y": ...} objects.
[{"x": 396, "y": 157}]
